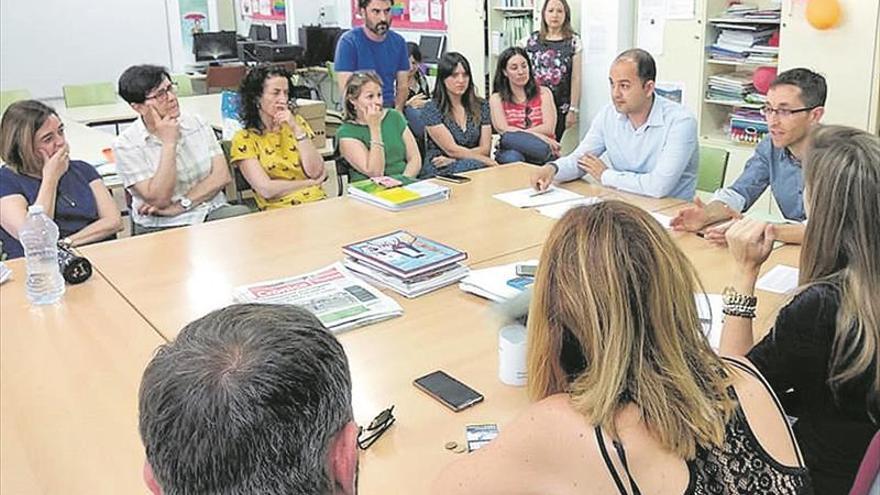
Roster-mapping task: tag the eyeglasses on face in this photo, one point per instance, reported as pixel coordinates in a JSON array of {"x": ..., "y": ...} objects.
[
  {"x": 368, "y": 436},
  {"x": 162, "y": 94},
  {"x": 783, "y": 113}
]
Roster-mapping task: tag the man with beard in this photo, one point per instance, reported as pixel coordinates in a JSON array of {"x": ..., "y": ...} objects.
[
  {"x": 795, "y": 104},
  {"x": 250, "y": 399},
  {"x": 375, "y": 47},
  {"x": 640, "y": 142}
]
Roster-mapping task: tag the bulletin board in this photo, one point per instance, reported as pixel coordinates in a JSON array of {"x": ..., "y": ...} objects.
[{"x": 420, "y": 15}]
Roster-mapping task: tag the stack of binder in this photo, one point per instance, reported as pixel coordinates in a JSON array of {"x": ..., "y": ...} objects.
[{"x": 408, "y": 264}]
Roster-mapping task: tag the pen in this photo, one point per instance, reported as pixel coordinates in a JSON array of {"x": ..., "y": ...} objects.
[{"x": 538, "y": 193}]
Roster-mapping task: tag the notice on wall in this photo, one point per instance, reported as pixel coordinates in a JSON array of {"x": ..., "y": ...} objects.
[
  {"x": 193, "y": 19},
  {"x": 679, "y": 9},
  {"x": 418, "y": 10},
  {"x": 651, "y": 26}
]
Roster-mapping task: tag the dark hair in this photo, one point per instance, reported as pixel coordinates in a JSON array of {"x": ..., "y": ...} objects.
[
  {"x": 251, "y": 90},
  {"x": 567, "y": 31},
  {"x": 471, "y": 102},
  {"x": 19, "y": 127},
  {"x": 138, "y": 80},
  {"x": 645, "y": 64},
  {"x": 245, "y": 400},
  {"x": 501, "y": 84},
  {"x": 414, "y": 51},
  {"x": 362, "y": 4},
  {"x": 811, "y": 84}
]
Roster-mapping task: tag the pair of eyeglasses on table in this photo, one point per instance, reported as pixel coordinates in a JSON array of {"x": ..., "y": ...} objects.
[{"x": 368, "y": 436}]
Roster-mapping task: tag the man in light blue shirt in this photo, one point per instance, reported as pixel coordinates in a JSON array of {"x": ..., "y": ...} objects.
[
  {"x": 795, "y": 104},
  {"x": 640, "y": 142},
  {"x": 375, "y": 47}
]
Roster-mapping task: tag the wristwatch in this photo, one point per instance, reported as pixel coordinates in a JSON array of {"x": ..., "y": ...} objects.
[{"x": 185, "y": 202}]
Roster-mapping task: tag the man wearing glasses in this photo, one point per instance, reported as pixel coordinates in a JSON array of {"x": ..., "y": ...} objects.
[
  {"x": 251, "y": 399},
  {"x": 170, "y": 162},
  {"x": 795, "y": 104}
]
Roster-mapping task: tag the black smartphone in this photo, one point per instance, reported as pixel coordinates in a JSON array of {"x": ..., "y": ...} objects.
[
  {"x": 449, "y": 391},
  {"x": 458, "y": 179}
]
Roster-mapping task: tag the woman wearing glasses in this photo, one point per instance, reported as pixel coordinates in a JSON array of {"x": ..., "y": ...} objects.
[
  {"x": 795, "y": 105},
  {"x": 375, "y": 141},
  {"x": 823, "y": 350},
  {"x": 274, "y": 151},
  {"x": 629, "y": 397},
  {"x": 458, "y": 123},
  {"x": 523, "y": 112},
  {"x": 38, "y": 170}
]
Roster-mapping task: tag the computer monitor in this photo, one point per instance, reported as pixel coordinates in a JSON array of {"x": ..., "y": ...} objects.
[
  {"x": 319, "y": 43},
  {"x": 432, "y": 48},
  {"x": 258, "y": 32},
  {"x": 215, "y": 47}
]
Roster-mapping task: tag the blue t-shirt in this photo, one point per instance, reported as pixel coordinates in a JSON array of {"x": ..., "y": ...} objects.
[
  {"x": 75, "y": 205},
  {"x": 356, "y": 52}
]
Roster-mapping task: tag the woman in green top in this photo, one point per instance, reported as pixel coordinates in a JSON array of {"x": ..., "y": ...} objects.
[{"x": 375, "y": 141}]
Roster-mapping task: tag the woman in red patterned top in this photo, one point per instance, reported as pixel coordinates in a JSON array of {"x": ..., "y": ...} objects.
[{"x": 522, "y": 112}]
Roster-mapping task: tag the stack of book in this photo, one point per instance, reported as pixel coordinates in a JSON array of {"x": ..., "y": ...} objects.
[
  {"x": 405, "y": 263},
  {"x": 744, "y": 43},
  {"x": 731, "y": 87},
  {"x": 498, "y": 283},
  {"x": 397, "y": 192},
  {"x": 747, "y": 126}
]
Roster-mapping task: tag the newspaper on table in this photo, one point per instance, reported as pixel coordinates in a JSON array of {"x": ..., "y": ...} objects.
[{"x": 339, "y": 299}]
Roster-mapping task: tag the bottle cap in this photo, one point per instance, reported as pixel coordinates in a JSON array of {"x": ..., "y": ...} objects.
[{"x": 35, "y": 209}]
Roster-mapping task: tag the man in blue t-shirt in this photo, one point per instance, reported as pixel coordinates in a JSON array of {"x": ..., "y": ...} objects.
[{"x": 375, "y": 47}]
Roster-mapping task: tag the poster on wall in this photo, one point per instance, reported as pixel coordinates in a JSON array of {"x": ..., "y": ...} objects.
[
  {"x": 193, "y": 19},
  {"x": 264, "y": 10},
  {"x": 421, "y": 15}
]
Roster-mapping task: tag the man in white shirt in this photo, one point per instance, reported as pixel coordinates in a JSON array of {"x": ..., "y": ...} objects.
[
  {"x": 640, "y": 142},
  {"x": 170, "y": 163}
]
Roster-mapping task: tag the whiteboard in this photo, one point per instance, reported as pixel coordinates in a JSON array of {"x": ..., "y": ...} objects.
[{"x": 50, "y": 43}]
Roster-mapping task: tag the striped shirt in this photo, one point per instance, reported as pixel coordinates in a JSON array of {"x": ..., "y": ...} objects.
[{"x": 524, "y": 115}]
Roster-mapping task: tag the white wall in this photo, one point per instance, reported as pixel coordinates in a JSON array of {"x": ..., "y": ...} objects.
[{"x": 55, "y": 42}]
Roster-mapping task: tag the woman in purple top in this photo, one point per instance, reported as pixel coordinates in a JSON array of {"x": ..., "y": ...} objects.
[{"x": 37, "y": 170}]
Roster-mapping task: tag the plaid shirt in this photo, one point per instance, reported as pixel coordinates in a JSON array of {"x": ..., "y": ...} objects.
[{"x": 137, "y": 157}]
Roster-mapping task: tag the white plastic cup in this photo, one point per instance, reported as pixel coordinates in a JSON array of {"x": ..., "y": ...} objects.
[{"x": 512, "y": 355}]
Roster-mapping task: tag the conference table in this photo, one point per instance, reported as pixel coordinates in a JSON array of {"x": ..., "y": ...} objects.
[
  {"x": 70, "y": 374},
  {"x": 163, "y": 281}
]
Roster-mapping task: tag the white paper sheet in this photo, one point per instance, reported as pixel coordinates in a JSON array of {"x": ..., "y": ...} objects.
[
  {"x": 664, "y": 220},
  {"x": 418, "y": 10},
  {"x": 559, "y": 209},
  {"x": 680, "y": 9},
  {"x": 436, "y": 11},
  {"x": 651, "y": 25},
  {"x": 529, "y": 198},
  {"x": 780, "y": 279},
  {"x": 709, "y": 308}
]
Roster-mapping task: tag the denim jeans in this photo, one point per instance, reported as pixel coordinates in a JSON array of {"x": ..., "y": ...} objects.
[
  {"x": 521, "y": 146},
  {"x": 456, "y": 167},
  {"x": 416, "y": 124}
]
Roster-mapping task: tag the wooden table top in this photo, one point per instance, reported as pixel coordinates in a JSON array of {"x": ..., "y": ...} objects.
[
  {"x": 176, "y": 276},
  {"x": 70, "y": 374}
]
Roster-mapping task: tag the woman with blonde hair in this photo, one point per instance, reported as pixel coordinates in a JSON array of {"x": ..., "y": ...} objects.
[
  {"x": 375, "y": 141},
  {"x": 38, "y": 171},
  {"x": 824, "y": 344},
  {"x": 628, "y": 394}
]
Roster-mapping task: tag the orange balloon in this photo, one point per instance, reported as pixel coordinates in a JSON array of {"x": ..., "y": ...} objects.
[{"x": 823, "y": 14}]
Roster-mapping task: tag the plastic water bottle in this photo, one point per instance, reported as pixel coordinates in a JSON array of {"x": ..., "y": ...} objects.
[{"x": 39, "y": 237}]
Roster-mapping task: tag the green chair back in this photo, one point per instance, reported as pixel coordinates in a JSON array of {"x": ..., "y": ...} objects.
[
  {"x": 81, "y": 95},
  {"x": 712, "y": 167},
  {"x": 184, "y": 84},
  {"x": 13, "y": 95}
]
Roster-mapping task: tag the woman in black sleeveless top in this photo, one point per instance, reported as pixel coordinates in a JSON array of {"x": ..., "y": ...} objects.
[
  {"x": 824, "y": 344},
  {"x": 629, "y": 395}
]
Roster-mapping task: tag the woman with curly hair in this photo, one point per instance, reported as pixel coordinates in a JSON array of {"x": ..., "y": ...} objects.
[{"x": 274, "y": 151}]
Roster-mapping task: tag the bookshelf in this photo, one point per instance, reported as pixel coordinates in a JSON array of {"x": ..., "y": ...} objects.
[{"x": 508, "y": 23}]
